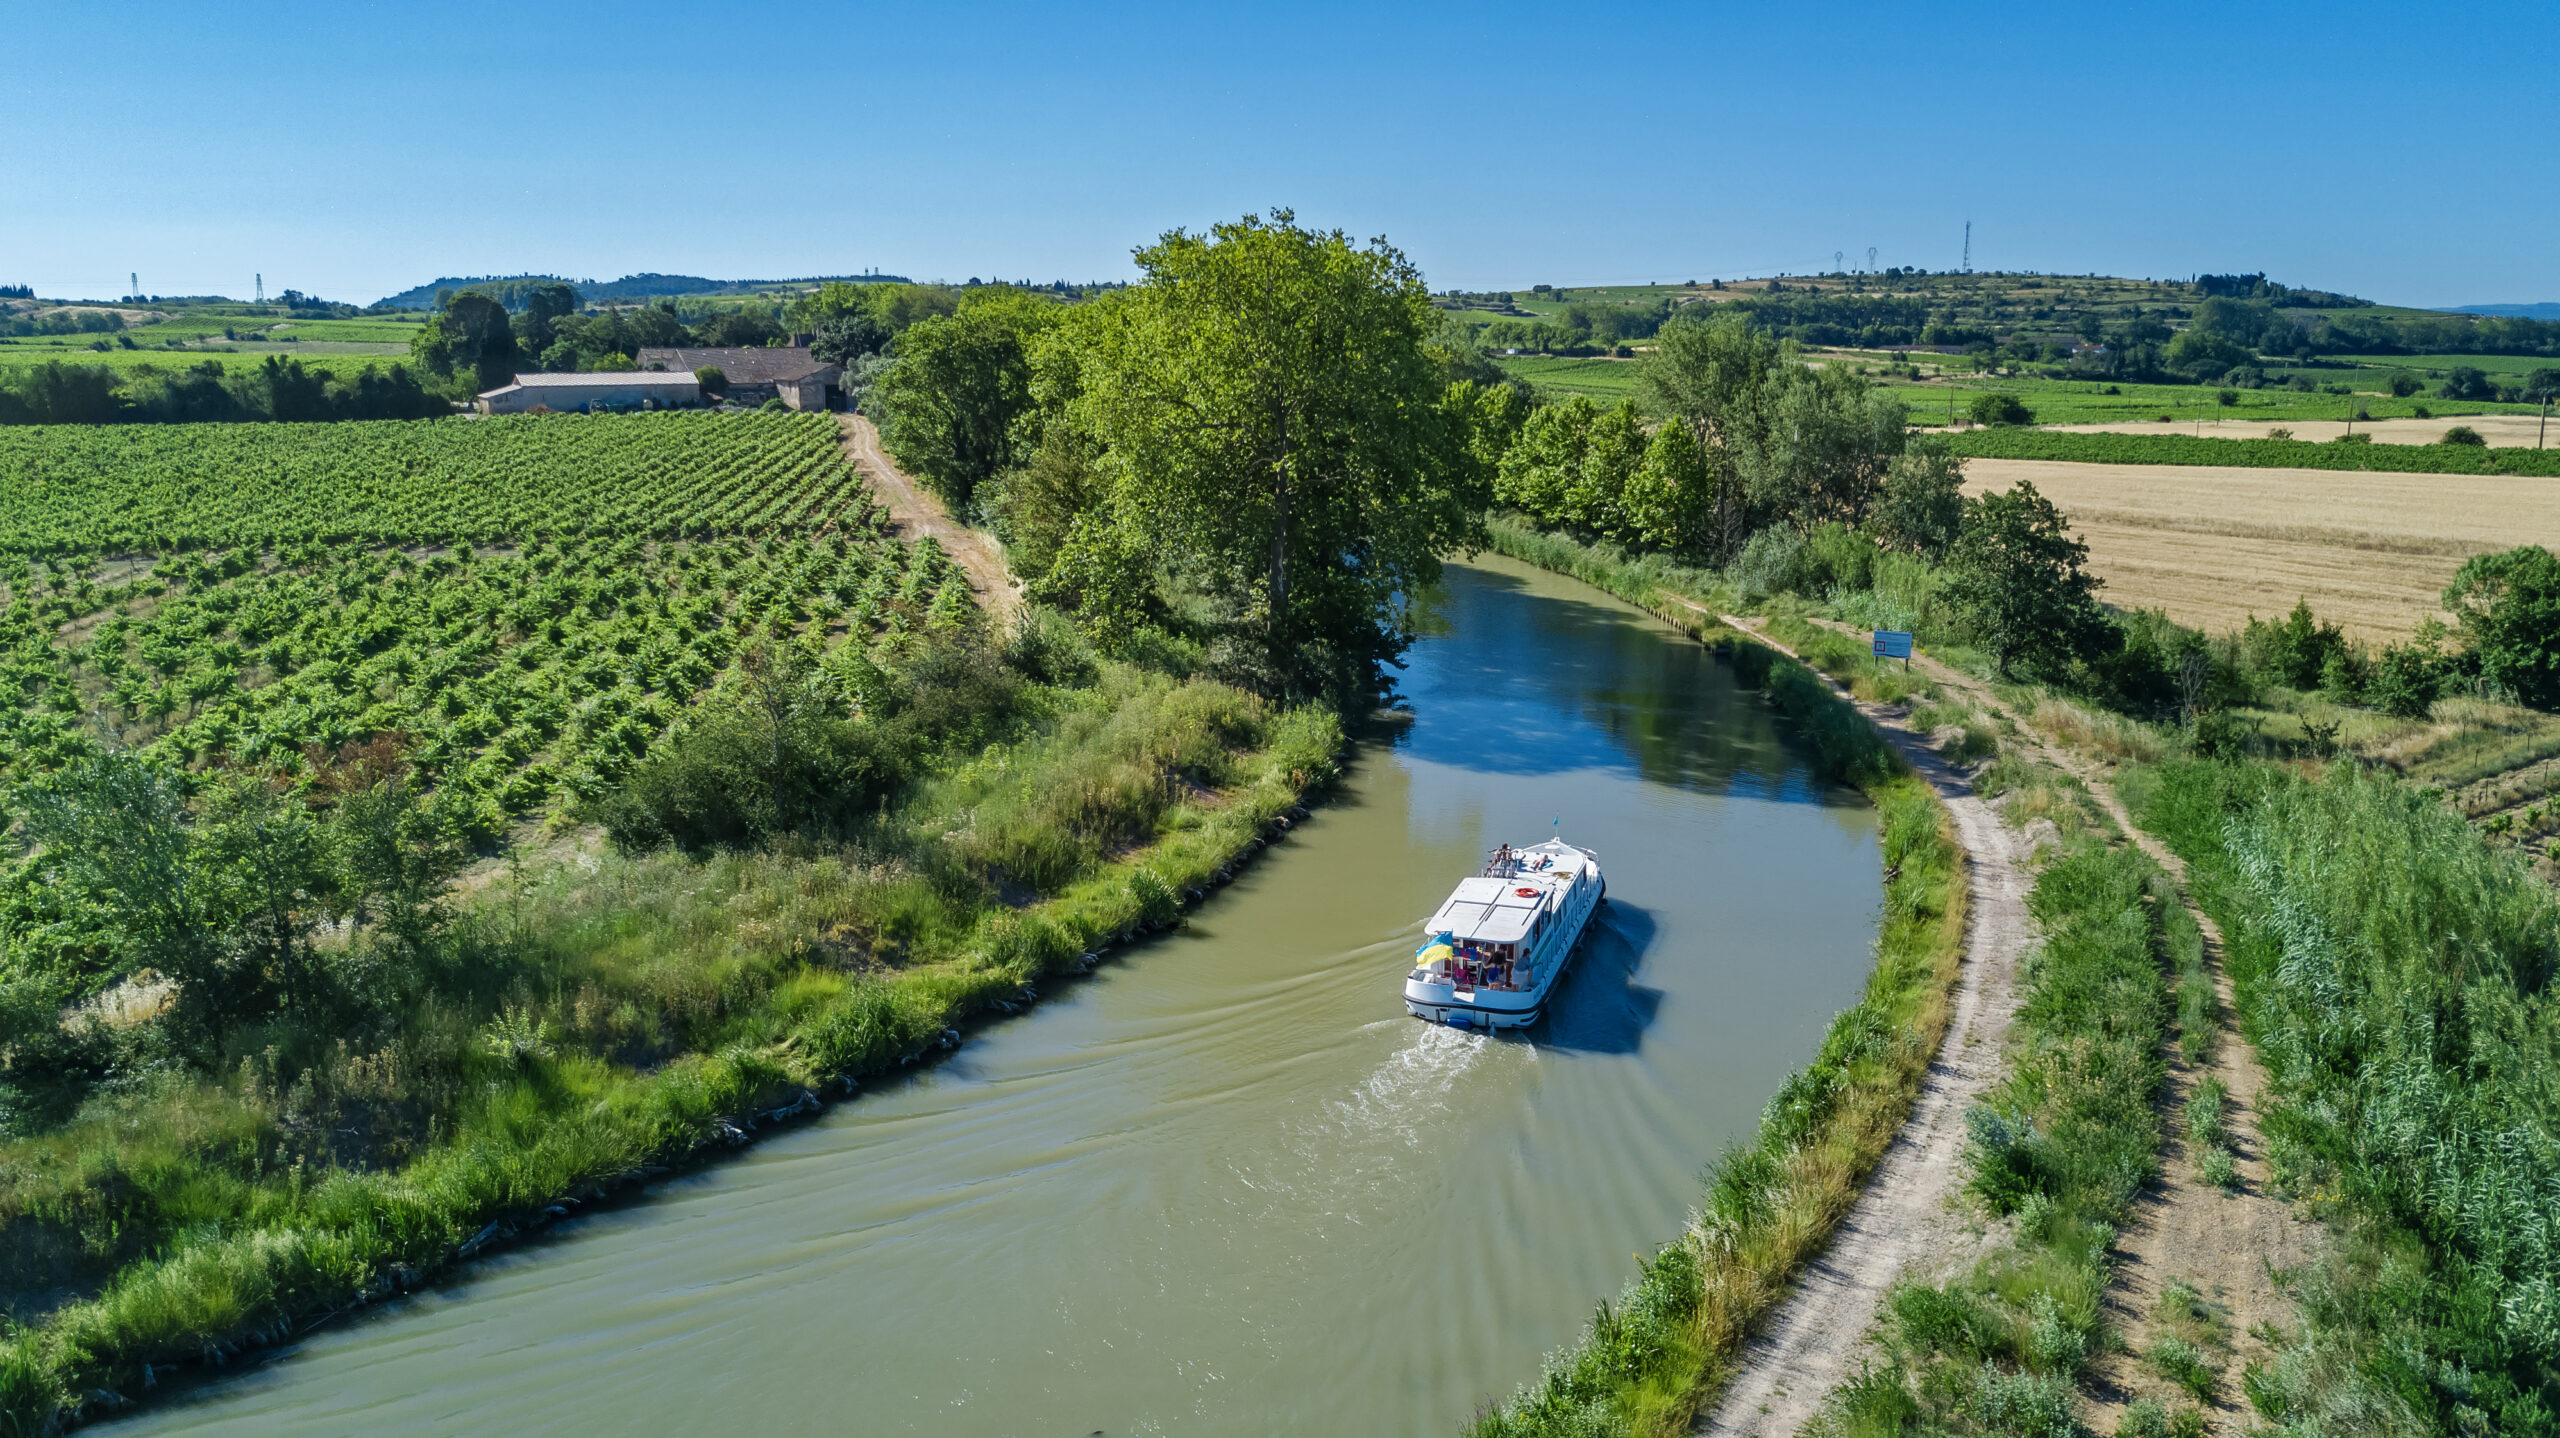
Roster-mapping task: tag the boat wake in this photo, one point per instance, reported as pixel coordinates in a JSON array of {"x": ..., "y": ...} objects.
[{"x": 1400, "y": 1097}]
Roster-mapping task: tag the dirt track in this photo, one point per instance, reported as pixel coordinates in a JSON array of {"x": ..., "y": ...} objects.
[
  {"x": 917, "y": 512},
  {"x": 2228, "y": 1246},
  {"x": 1904, "y": 1216}
]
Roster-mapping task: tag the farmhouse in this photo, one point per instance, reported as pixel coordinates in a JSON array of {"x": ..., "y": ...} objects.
[
  {"x": 785, "y": 372},
  {"x": 623, "y": 389}
]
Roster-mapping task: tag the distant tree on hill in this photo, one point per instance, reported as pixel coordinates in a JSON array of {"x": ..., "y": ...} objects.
[
  {"x": 2466, "y": 382},
  {"x": 2542, "y": 387}
]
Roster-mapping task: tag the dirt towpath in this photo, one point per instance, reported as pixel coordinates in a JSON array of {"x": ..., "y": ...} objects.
[
  {"x": 2227, "y": 1245},
  {"x": 1904, "y": 1216},
  {"x": 918, "y": 512}
]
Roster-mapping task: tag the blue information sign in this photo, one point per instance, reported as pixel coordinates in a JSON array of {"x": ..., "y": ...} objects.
[{"x": 1892, "y": 644}]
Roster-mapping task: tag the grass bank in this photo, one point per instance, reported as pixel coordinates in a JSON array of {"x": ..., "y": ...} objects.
[
  {"x": 581, "y": 1023},
  {"x": 2395, "y": 970},
  {"x": 1652, "y": 1360},
  {"x": 2251, "y": 453}
]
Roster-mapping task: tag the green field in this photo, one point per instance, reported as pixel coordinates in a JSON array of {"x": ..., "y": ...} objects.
[
  {"x": 1604, "y": 379},
  {"x": 2508, "y": 369},
  {"x": 245, "y": 591},
  {"x": 342, "y": 358}
]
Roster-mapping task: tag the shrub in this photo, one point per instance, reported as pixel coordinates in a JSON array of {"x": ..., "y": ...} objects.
[
  {"x": 2024, "y": 1405},
  {"x": 2000, "y": 409},
  {"x": 2204, "y": 1113},
  {"x": 764, "y": 760},
  {"x": 2462, "y": 434},
  {"x": 2218, "y": 1168},
  {"x": 2180, "y": 1362},
  {"x": 1772, "y": 562}
]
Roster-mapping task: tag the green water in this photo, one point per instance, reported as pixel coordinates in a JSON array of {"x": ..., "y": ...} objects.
[{"x": 1226, "y": 1186}]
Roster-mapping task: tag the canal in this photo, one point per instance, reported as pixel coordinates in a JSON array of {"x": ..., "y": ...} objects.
[{"x": 1225, "y": 1186}]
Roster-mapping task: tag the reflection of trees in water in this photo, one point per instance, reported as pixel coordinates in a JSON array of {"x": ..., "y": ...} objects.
[{"x": 1670, "y": 707}]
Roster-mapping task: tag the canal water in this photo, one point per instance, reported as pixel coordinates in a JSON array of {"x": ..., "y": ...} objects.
[{"x": 1225, "y": 1186}]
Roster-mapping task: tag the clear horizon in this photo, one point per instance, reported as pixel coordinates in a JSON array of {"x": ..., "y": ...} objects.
[{"x": 354, "y": 154}]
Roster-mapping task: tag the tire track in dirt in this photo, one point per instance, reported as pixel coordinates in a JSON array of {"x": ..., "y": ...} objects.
[
  {"x": 917, "y": 512},
  {"x": 1903, "y": 1215}
]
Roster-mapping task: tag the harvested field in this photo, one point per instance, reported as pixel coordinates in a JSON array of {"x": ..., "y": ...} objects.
[
  {"x": 2521, "y": 431},
  {"x": 2214, "y": 545}
]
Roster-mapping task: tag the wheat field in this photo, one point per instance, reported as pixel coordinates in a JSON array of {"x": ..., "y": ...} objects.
[{"x": 2214, "y": 545}]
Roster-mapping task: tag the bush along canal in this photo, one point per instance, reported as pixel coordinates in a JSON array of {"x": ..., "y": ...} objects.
[{"x": 1227, "y": 1185}]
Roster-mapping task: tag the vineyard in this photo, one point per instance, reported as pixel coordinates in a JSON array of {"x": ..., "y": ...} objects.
[{"x": 526, "y": 602}]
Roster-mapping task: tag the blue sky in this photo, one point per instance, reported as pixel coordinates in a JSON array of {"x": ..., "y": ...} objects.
[{"x": 2395, "y": 151}]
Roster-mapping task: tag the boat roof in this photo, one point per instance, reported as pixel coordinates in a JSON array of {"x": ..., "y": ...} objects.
[{"x": 1488, "y": 910}]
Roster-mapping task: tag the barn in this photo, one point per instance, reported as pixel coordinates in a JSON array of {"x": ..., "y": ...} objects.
[
  {"x": 785, "y": 372},
  {"x": 620, "y": 389}
]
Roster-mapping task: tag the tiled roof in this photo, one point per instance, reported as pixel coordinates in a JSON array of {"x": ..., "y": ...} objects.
[
  {"x": 603, "y": 377},
  {"x": 780, "y": 364}
]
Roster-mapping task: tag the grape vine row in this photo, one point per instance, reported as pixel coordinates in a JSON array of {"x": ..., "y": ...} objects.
[{"x": 527, "y": 602}]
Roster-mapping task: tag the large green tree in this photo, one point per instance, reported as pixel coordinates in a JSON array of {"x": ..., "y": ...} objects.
[
  {"x": 1722, "y": 379},
  {"x": 1921, "y": 506},
  {"x": 2014, "y": 579},
  {"x": 1830, "y": 440},
  {"x": 952, "y": 407},
  {"x": 470, "y": 341},
  {"x": 1268, "y": 407},
  {"x": 2508, "y": 606},
  {"x": 544, "y": 308},
  {"x": 1670, "y": 500}
]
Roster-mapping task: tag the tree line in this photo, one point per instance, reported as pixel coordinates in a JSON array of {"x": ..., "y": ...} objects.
[
  {"x": 280, "y": 388},
  {"x": 479, "y": 341}
]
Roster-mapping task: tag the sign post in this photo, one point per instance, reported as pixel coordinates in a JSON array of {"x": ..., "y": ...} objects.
[{"x": 1894, "y": 644}]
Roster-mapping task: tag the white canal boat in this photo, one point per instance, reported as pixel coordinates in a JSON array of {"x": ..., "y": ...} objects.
[{"x": 1500, "y": 945}]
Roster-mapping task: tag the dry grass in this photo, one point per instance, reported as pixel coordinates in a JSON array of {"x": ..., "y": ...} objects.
[
  {"x": 2090, "y": 731},
  {"x": 2214, "y": 545}
]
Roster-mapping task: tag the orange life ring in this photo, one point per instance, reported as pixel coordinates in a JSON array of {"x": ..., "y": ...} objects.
[{"x": 1526, "y": 893}]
